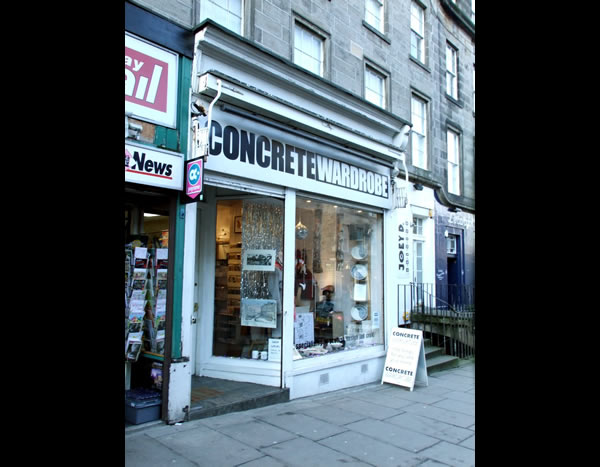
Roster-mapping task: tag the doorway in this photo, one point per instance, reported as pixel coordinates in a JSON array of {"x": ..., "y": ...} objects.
[
  {"x": 240, "y": 279},
  {"x": 240, "y": 271},
  {"x": 454, "y": 268}
]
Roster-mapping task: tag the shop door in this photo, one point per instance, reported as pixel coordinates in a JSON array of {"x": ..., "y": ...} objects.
[
  {"x": 248, "y": 289},
  {"x": 454, "y": 267}
]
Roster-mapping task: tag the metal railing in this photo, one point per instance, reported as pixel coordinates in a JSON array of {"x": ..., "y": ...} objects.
[{"x": 445, "y": 314}]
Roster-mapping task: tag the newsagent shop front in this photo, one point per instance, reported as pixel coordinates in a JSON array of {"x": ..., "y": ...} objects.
[
  {"x": 290, "y": 260},
  {"x": 157, "y": 80}
]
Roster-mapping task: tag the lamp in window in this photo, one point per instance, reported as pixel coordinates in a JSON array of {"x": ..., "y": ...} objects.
[{"x": 301, "y": 231}]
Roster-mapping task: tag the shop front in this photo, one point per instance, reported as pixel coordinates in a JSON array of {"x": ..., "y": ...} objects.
[
  {"x": 291, "y": 258},
  {"x": 150, "y": 222},
  {"x": 157, "y": 80}
]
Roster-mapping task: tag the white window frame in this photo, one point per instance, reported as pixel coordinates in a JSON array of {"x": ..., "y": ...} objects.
[
  {"x": 374, "y": 10},
  {"x": 375, "y": 86},
  {"x": 451, "y": 242},
  {"x": 418, "y": 226},
  {"x": 418, "y": 232},
  {"x": 451, "y": 71},
  {"x": 309, "y": 49},
  {"x": 224, "y": 12},
  {"x": 453, "y": 149},
  {"x": 419, "y": 131},
  {"x": 417, "y": 32}
]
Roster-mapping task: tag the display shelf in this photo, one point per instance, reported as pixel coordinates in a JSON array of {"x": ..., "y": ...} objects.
[{"x": 153, "y": 356}]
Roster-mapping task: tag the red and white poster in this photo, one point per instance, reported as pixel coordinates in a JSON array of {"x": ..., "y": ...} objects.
[{"x": 150, "y": 82}]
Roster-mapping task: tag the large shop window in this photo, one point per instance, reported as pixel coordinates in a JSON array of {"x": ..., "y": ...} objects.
[
  {"x": 339, "y": 278},
  {"x": 248, "y": 277}
]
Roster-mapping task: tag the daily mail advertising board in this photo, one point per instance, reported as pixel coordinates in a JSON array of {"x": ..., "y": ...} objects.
[{"x": 405, "y": 359}]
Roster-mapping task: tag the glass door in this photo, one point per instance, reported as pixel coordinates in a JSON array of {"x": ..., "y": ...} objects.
[{"x": 248, "y": 280}]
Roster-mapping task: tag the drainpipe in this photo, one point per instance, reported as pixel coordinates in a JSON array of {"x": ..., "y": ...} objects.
[{"x": 401, "y": 140}]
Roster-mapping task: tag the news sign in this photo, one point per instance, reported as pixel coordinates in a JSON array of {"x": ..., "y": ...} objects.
[
  {"x": 153, "y": 166},
  {"x": 150, "y": 82}
]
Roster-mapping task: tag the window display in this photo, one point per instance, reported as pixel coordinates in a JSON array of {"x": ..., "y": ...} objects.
[
  {"x": 339, "y": 278},
  {"x": 248, "y": 279}
]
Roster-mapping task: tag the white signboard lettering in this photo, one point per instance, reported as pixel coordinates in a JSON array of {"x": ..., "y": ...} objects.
[{"x": 405, "y": 359}]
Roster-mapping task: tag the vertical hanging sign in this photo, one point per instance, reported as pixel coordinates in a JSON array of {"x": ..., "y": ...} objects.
[
  {"x": 194, "y": 177},
  {"x": 402, "y": 242}
]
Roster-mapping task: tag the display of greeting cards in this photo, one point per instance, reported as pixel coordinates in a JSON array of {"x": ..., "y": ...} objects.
[{"x": 146, "y": 274}]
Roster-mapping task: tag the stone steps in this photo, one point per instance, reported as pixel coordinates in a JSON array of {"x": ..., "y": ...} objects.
[{"x": 436, "y": 360}]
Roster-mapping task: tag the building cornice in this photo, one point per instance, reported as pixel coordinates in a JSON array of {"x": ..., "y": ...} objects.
[
  {"x": 459, "y": 16},
  {"x": 255, "y": 68}
]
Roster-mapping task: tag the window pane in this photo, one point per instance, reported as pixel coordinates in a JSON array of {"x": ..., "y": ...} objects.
[
  {"x": 374, "y": 88},
  {"x": 227, "y": 13},
  {"x": 416, "y": 19},
  {"x": 308, "y": 50},
  {"x": 449, "y": 59},
  {"x": 418, "y": 262},
  {"x": 248, "y": 276},
  {"x": 374, "y": 13},
  {"x": 339, "y": 278},
  {"x": 419, "y": 133}
]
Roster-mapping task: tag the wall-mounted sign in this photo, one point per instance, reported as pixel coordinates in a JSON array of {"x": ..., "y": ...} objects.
[
  {"x": 249, "y": 149},
  {"x": 405, "y": 359},
  {"x": 153, "y": 166},
  {"x": 150, "y": 82},
  {"x": 400, "y": 233},
  {"x": 194, "y": 177}
]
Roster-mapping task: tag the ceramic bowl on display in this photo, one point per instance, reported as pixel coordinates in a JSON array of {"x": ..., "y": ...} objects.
[
  {"x": 359, "y": 312},
  {"x": 359, "y": 272},
  {"x": 359, "y": 252}
]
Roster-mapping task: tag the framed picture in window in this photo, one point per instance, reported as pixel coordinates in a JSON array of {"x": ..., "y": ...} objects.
[{"x": 258, "y": 260}]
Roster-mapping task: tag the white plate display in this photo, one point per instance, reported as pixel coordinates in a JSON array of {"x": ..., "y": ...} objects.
[
  {"x": 359, "y": 252},
  {"x": 359, "y": 312},
  {"x": 359, "y": 272}
]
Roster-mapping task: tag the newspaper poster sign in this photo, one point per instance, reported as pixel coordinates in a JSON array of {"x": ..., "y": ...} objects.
[{"x": 405, "y": 359}]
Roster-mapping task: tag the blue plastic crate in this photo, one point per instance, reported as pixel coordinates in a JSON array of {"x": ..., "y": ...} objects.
[{"x": 142, "y": 405}]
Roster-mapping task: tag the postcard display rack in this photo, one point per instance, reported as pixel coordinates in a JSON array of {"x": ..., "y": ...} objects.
[{"x": 145, "y": 301}]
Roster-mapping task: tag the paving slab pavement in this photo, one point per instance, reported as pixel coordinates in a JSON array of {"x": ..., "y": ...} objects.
[{"x": 369, "y": 425}]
